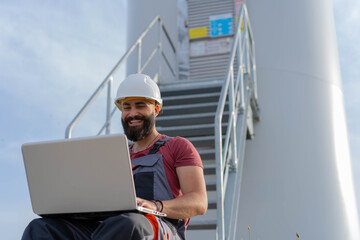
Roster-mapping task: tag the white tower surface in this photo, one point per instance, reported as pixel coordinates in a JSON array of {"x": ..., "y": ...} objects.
[{"x": 297, "y": 174}]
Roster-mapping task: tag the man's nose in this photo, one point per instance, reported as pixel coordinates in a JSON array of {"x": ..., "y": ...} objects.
[{"x": 132, "y": 113}]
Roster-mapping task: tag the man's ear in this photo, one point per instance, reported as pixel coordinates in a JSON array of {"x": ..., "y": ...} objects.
[{"x": 157, "y": 109}]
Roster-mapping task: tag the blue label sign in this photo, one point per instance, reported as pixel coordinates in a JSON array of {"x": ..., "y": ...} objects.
[{"x": 221, "y": 25}]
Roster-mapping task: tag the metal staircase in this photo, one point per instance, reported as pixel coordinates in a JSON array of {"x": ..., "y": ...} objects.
[
  {"x": 189, "y": 111},
  {"x": 216, "y": 116}
]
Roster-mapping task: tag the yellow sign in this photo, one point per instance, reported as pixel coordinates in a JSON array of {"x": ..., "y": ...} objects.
[{"x": 197, "y": 32}]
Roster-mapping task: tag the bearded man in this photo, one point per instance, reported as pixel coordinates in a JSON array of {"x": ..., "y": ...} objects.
[{"x": 168, "y": 176}]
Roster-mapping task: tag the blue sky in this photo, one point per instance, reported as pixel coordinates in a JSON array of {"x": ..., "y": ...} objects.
[{"x": 53, "y": 55}]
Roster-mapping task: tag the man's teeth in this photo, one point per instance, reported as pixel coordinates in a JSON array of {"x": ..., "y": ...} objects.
[{"x": 135, "y": 121}]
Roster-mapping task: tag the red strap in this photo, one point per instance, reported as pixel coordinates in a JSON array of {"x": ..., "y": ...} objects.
[{"x": 154, "y": 223}]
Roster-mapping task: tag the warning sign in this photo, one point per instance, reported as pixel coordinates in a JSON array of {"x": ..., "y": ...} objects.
[{"x": 197, "y": 32}]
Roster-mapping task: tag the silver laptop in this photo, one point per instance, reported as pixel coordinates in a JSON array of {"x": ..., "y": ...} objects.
[{"x": 84, "y": 176}]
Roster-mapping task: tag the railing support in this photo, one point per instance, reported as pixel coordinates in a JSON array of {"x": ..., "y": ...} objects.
[
  {"x": 219, "y": 182},
  {"x": 108, "y": 105},
  {"x": 160, "y": 52},
  {"x": 239, "y": 93},
  {"x": 232, "y": 110},
  {"x": 139, "y": 56}
]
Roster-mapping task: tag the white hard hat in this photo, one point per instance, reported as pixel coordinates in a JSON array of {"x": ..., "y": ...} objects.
[{"x": 138, "y": 85}]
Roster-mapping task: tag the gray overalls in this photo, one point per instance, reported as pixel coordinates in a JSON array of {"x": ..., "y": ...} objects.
[{"x": 151, "y": 184}]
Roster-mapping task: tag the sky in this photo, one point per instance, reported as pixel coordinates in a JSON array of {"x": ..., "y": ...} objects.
[{"x": 54, "y": 54}]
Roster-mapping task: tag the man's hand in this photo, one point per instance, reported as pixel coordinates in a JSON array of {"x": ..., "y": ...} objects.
[
  {"x": 146, "y": 204},
  {"x": 194, "y": 199}
]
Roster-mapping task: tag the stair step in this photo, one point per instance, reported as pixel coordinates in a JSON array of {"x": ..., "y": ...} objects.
[
  {"x": 191, "y": 130},
  {"x": 187, "y": 88},
  {"x": 209, "y": 169},
  {"x": 191, "y": 98},
  {"x": 185, "y": 119},
  {"x": 179, "y": 92},
  {"x": 202, "y": 224},
  {"x": 192, "y": 108},
  {"x": 190, "y": 113},
  {"x": 208, "y": 154},
  {"x": 211, "y": 185},
  {"x": 204, "y": 141},
  {"x": 211, "y": 204},
  {"x": 188, "y": 119},
  {"x": 192, "y": 105}
]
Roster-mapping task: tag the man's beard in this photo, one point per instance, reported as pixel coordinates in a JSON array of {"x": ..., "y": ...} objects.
[{"x": 138, "y": 133}]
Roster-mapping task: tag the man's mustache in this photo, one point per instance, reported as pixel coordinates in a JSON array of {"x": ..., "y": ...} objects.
[{"x": 128, "y": 119}]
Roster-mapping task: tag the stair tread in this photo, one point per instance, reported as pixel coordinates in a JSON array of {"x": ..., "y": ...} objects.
[
  {"x": 193, "y": 105},
  {"x": 201, "y": 138},
  {"x": 197, "y": 126},
  {"x": 212, "y": 201},
  {"x": 190, "y": 115},
  {"x": 190, "y": 84},
  {"x": 209, "y": 169},
  {"x": 182, "y": 116},
  {"x": 211, "y": 182},
  {"x": 189, "y": 96},
  {"x": 206, "y": 151},
  {"x": 209, "y": 165},
  {"x": 203, "y": 120}
]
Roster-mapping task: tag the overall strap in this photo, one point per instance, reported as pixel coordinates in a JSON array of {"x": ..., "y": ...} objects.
[{"x": 158, "y": 145}]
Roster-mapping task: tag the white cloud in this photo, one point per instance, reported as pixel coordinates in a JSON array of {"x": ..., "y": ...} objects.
[{"x": 56, "y": 54}]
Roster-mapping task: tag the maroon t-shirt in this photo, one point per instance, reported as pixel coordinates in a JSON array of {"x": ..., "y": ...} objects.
[{"x": 176, "y": 152}]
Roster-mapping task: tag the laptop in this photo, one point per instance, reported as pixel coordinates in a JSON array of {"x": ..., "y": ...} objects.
[{"x": 83, "y": 177}]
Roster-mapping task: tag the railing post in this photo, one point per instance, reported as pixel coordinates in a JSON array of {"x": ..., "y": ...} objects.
[
  {"x": 241, "y": 70},
  {"x": 108, "y": 105},
  {"x": 253, "y": 64},
  {"x": 254, "y": 70},
  {"x": 139, "y": 56},
  {"x": 219, "y": 180},
  {"x": 242, "y": 92},
  {"x": 160, "y": 51},
  {"x": 248, "y": 56},
  {"x": 233, "y": 117},
  {"x": 176, "y": 67}
]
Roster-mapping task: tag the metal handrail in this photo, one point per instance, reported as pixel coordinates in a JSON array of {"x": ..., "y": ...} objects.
[
  {"x": 109, "y": 78},
  {"x": 236, "y": 90}
]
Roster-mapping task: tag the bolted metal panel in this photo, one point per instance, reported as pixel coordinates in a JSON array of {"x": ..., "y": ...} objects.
[
  {"x": 209, "y": 65},
  {"x": 200, "y": 11}
]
